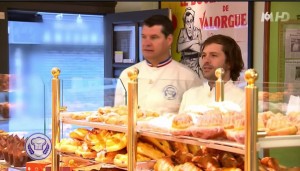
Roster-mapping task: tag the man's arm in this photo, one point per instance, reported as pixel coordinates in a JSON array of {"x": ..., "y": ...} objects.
[
  {"x": 183, "y": 44},
  {"x": 120, "y": 91}
]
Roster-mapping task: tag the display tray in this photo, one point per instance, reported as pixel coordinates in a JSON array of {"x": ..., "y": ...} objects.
[
  {"x": 140, "y": 166},
  {"x": 100, "y": 125},
  {"x": 263, "y": 141},
  {"x": 279, "y": 141}
]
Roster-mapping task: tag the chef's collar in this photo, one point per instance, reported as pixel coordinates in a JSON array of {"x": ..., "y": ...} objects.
[{"x": 161, "y": 64}]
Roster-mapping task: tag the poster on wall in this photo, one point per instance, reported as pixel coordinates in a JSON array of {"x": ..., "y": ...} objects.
[
  {"x": 195, "y": 21},
  {"x": 292, "y": 43}
]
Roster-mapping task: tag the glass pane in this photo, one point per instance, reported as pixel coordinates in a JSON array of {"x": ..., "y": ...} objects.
[
  {"x": 124, "y": 41},
  {"x": 88, "y": 96},
  {"x": 72, "y": 42}
]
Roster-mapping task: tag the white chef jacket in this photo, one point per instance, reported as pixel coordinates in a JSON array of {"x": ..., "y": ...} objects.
[
  {"x": 202, "y": 95},
  {"x": 161, "y": 88}
]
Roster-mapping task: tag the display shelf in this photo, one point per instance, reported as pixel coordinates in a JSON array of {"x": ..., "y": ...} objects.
[
  {"x": 99, "y": 125},
  {"x": 263, "y": 142},
  {"x": 279, "y": 141},
  {"x": 216, "y": 144},
  {"x": 92, "y": 164}
]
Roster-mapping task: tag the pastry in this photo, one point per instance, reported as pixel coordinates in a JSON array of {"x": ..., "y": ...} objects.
[
  {"x": 182, "y": 121},
  {"x": 108, "y": 157},
  {"x": 206, "y": 162},
  {"x": 116, "y": 142},
  {"x": 188, "y": 166},
  {"x": 179, "y": 146},
  {"x": 228, "y": 160},
  {"x": 85, "y": 152},
  {"x": 270, "y": 162},
  {"x": 280, "y": 125},
  {"x": 148, "y": 150},
  {"x": 121, "y": 160},
  {"x": 193, "y": 149},
  {"x": 163, "y": 145},
  {"x": 68, "y": 145},
  {"x": 79, "y": 133},
  {"x": 164, "y": 164},
  {"x": 80, "y": 115},
  {"x": 182, "y": 157}
]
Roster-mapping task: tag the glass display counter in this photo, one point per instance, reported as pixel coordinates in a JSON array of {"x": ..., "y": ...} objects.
[
  {"x": 91, "y": 98},
  {"x": 284, "y": 94}
]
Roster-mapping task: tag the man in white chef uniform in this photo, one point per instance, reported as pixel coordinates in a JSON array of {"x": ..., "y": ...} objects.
[
  {"x": 218, "y": 51},
  {"x": 161, "y": 80}
]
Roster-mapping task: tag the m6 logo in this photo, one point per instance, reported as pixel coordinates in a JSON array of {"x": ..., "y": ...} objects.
[{"x": 279, "y": 16}]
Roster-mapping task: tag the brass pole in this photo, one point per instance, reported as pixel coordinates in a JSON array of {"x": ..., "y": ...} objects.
[
  {"x": 132, "y": 112},
  {"x": 55, "y": 117},
  {"x": 251, "y": 121},
  {"x": 219, "y": 95}
]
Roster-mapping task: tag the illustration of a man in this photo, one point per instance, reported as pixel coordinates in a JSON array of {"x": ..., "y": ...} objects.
[
  {"x": 189, "y": 42},
  {"x": 296, "y": 45}
]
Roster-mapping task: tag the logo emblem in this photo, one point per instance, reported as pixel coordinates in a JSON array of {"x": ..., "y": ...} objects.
[
  {"x": 38, "y": 146},
  {"x": 170, "y": 92}
]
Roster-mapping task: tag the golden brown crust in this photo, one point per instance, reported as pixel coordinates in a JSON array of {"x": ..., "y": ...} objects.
[
  {"x": 116, "y": 142},
  {"x": 291, "y": 130},
  {"x": 86, "y": 152},
  {"x": 121, "y": 160},
  {"x": 182, "y": 157},
  {"x": 193, "y": 149},
  {"x": 163, "y": 145},
  {"x": 108, "y": 157},
  {"x": 149, "y": 151},
  {"x": 227, "y": 160},
  {"x": 189, "y": 166},
  {"x": 80, "y": 115},
  {"x": 164, "y": 164},
  {"x": 206, "y": 162},
  {"x": 270, "y": 162},
  {"x": 179, "y": 146},
  {"x": 79, "y": 133},
  {"x": 68, "y": 145}
]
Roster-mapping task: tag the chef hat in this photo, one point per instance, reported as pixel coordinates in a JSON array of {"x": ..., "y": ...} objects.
[{"x": 188, "y": 10}]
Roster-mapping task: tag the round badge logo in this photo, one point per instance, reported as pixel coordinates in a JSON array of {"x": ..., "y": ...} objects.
[
  {"x": 38, "y": 146},
  {"x": 170, "y": 92}
]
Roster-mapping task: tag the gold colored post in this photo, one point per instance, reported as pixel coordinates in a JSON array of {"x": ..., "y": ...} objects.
[
  {"x": 219, "y": 95},
  {"x": 55, "y": 117},
  {"x": 251, "y": 121},
  {"x": 132, "y": 112}
]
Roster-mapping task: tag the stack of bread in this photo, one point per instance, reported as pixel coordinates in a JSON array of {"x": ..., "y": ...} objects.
[
  {"x": 218, "y": 120},
  {"x": 201, "y": 159},
  {"x": 294, "y": 118},
  {"x": 278, "y": 123},
  {"x": 110, "y": 147},
  {"x": 117, "y": 115},
  {"x": 207, "y": 159}
]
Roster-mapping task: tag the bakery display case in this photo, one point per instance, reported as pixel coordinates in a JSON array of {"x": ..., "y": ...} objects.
[
  {"x": 99, "y": 119},
  {"x": 90, "y": 130}
]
